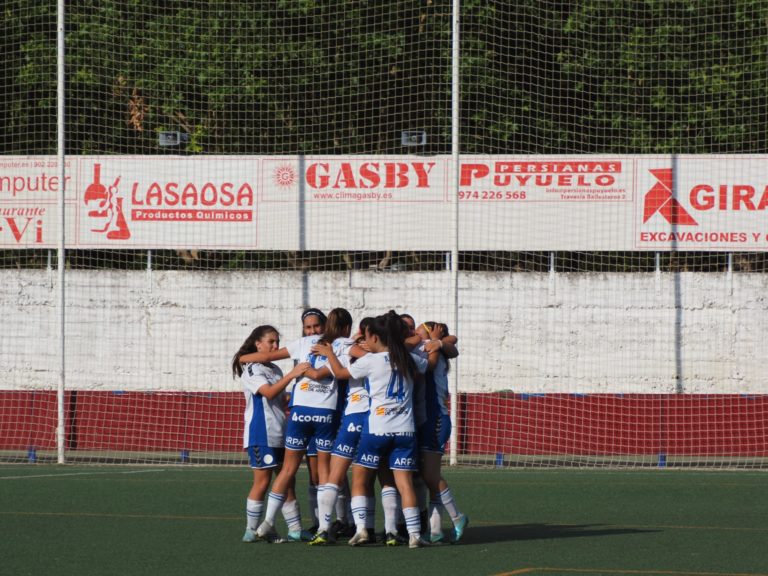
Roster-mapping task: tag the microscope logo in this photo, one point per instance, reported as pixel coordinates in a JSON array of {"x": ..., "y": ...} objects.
[{"x": 105, "y": 207}]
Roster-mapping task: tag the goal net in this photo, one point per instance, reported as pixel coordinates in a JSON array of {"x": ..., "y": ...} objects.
[{"x": 578, "y": 191}]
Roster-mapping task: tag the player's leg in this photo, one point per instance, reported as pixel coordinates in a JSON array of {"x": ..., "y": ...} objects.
[
  {"x": 327, "y": 495},
  {"x": 403, "y": 462},
  {"x": 390, "y": 504},
  {"x": 279, "y": 491},
  {"x": 254, "y": 506},
  {"x": 313, "y": 483},
  {"x": 361, "y": 478}
]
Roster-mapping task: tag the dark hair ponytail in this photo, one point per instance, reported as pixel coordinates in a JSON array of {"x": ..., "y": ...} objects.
[
  {"x": 339, "y": 322},
  {"x": 392, "y": 332},
  {"x": 249, "y": 346}
]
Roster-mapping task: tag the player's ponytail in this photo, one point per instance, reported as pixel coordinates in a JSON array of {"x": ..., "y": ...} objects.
[
  {"x": 392, "y": 332},
  {"x": 249, "y": 346},
  {"x": 338, "y": 324}
]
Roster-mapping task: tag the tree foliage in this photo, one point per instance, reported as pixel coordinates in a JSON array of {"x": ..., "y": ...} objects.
[{"x": 345, "y": 77}]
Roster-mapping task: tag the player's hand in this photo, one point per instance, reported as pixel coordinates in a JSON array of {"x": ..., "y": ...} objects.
[
  {"x": 432, "y": 345},
  {"x": 437, "y": 332},
  {"x": 300, "y": 368},
  {"x": 322, "y": 349}
]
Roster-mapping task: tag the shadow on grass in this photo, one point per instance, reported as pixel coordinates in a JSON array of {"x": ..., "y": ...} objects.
[{"x": 506, "y": 533}]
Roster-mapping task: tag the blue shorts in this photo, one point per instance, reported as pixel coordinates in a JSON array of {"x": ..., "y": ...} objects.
[
  {"x": 305, "y": 423},
  {"x": 311, "y": 447},
  {"x": 348, "y": 435},
  {"x": 398, "y": 450},
  {"x": 434, "y": 433},
  {"x": 264, "y": 457}
]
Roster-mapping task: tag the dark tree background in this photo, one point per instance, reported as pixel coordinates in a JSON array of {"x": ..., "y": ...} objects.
[{"x": 333, "y": 77}]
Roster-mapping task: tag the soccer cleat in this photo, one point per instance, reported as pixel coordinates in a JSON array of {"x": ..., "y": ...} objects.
[
  {"x": 322, "y": 538},
  {"x": 438, "y": 538},
  {"x": 459, "y": 526},
  {"x": 360, "y": 538},
  {"x": 250, "y": 536},
  {"x": 391, "y": 539},
  {"x": 299, "y": 536},
  {"x": 416, "y": 541},
  {"x": 266, "y": 532},
  {"x": 341, "y": 529}
]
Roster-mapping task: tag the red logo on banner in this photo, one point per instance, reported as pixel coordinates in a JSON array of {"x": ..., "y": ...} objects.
[
  {"x": 285, "y": 176},
  {"x": 108, "y": 207},
  {"x": 659, "y": 199}
]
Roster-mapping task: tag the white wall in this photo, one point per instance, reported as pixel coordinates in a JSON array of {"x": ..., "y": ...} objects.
[{"x": 630, "y": 333}]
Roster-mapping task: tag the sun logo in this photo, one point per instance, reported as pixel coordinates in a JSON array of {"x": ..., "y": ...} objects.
[
  {"x": 285, "y": 176},
  {"x": 304, "y": 385},
  {"x": 380, "y": 411}
]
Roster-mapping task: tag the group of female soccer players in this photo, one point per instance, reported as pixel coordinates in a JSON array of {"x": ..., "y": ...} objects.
[{"x": 376, "y": 401}]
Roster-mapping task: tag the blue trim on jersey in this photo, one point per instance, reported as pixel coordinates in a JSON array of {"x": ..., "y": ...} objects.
[{"x": 257, "y": 431}]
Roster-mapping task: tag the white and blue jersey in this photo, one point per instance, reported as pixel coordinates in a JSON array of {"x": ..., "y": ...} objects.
[
  {"x": 314, "y": 403},
  {"x": 264, "y": 419},
  {"x": 391, "y": 393},
  {"x": 357, "y": 399},
  {"x": 356, "y": 405},
  {"x": 307, "y": 392},
  {"x": 435, "y": 429},
  {"x": 436, "y": 389}
]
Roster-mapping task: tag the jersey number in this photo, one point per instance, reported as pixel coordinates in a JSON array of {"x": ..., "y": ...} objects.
[{"x": 396, "y": 387}]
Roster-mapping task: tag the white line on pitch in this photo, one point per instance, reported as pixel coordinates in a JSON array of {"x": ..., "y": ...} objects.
[{"x": 78, "y": 474}]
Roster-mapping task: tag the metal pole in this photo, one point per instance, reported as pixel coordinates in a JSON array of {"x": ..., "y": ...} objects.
[
  {"x": 60, "y": 429},
  {"x": 455, "y": 84}
]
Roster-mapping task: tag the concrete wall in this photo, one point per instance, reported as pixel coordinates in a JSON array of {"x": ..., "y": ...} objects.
[{"x": 584, "y": 333}]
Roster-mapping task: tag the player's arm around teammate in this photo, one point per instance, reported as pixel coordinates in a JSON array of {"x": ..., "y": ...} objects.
[
  {"x": 264, "y": 419},
  {"x": 347, "y": 437},
  {"x": 389, "y": 430},
  {"x": 435, "y": 432}
]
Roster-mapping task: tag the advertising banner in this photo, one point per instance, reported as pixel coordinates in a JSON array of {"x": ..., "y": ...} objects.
[{"x": 515, "y": 203}]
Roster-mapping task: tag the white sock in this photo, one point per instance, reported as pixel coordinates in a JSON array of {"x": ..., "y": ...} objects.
[
  {"x": 312, "y": 497},
  {"x": 412, "y": 521},
  {"x": 253, "y": 512},
  {"x": 370, "y": 512},
  {"x": 274, "y": 504},
  {"x": 326, "y": 500},
  {"x": 390, "y": 506},
  {"x": 450, "y": 505},
  {"x": 435, "y": 517},
  {"x": 358, "y": 512},
  {"x": 292, "y": 515},
  {"x": 342, "y": 502}
]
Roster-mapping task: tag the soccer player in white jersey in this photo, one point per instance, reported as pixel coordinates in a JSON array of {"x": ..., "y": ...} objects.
[
  {"x": 434, "y": 433},
  {"x": 312, "y": 322},
  {"x": 313, "y": 414},
  {"x": 388, "y": 434},
  {"x": 264, "y": 423},
  {"x": 350, "y": 429}
]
